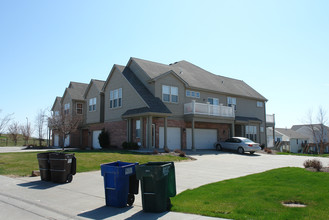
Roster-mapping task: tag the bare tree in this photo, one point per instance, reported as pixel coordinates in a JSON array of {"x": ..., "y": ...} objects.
[
  {"x": 14, "y": 131},
  {"x": 26, "y": 131},
  {"x": 65, "y": 124},
  {"x": 4, "y": 121},
  {"x": 40, "y": 121}
]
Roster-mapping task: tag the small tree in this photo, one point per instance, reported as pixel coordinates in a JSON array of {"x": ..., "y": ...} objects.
[
  {"x": 13, "y": 131},
  {"x": 40, "y": 120},
  {"x": 104, "y": 139},
  {"x": 4, "y": 122},
  {"x": 65, "y": 124},
  {"x": 26, "y": 131}
]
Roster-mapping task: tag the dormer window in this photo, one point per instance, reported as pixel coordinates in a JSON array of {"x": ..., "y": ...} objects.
[{"x": 170, "y": 94}]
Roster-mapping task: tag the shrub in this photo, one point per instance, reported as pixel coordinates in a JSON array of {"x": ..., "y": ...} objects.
[
  {"x": 267, "y": 150},
  {"x": 130, "y": 145},
  {"x": 104, "y": 139},
  {"x": 155, "y": 151},
  {"x": 180, "y": 153},
  {"x": 315, "y": 163},
  {"x": 166, "y": 149}
]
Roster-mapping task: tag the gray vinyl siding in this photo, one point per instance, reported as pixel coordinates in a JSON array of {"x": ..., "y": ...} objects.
[
  {"x": 170, "y": 80},
  {"x": 57, "y": 107},
  {"x": 93, "y": 116},
  {"x": 130, "y": 98},
  {"x": 142, "y": 76},
  {"x": 67, "y": 99}
]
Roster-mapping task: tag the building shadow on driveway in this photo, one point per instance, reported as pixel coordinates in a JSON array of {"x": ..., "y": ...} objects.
[
  {"x": 41, "y": 185},
  {"x": 105, "y": 212}
]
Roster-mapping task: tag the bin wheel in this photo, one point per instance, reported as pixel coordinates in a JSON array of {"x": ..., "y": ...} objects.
[
  {"x": 69, "y": 178},
  {"x": 168, "y": 204},
  {"x": 131, "y": 199}
]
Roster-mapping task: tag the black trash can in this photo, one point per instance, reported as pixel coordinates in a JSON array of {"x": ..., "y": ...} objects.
[
  {"x": 158, "y": 184},
  {"x": 62, "y": 167},
  {"x": 43, "y": 160}
]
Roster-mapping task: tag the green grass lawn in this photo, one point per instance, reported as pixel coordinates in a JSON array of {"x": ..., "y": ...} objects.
[
  {"x": 308, "y": 155},
  {"x": 259, "y": 196},
  {"x": 22, "y": 164}
]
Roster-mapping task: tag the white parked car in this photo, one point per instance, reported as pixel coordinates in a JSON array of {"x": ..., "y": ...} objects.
[{"x": 239, "y": 144}]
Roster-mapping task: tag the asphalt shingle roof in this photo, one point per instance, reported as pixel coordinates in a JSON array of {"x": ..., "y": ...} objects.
[
  {"x": 155, "y": 105},
  {"x": 290, "y": 133},
  {"x": 77, "y": 90},
  {"x": 197, "y": 77}
]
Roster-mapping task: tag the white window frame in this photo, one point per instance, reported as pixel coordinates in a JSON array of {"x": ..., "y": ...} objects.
[
  {"x": 260, "y": 104},
  {"x": 76, "y": 108},
  {"x": 56, "y": 113},
  {"x": 231, "y": 101},
  {"x": 92, "y": 104},
  {"x": 116, "y": 98},
  {"x": 66, "y": 108},
  {"x": 170, "y": 94},
  {"x": 251, "y": 132},
  {"x": 138, "y": 128},
  {"x": 192, "y": 94},
  {"x": 213, "y": 101}
]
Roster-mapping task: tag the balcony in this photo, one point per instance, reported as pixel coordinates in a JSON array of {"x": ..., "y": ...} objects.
[
  {"x": 270, "y": 120},
  {"x": 208, "y": 109}
]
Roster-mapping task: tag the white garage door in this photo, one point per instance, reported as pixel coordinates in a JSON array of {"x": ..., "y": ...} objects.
[
  {"x": 204, "y": 138},
  {"x": 67, "y": 141},
  {"x": 96, "y": 144},
  {"x": 173, "y": 138},
  {"x": 56, "y": 140}
]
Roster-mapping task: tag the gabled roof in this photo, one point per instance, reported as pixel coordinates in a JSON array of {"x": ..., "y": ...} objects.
[
  {"x": 98, "y": 84},
  {"x": 198, "y": 78},
  {"x": 316, "y": 126},
  {"x": 155, "y": 105},
  {"x": 76, "y": 91},
  {"x": 290, "y": 133},
  {"x": 57, "y": 100}
]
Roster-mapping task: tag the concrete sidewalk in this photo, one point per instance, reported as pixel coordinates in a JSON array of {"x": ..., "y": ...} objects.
[{"x": 84, "y": 197}]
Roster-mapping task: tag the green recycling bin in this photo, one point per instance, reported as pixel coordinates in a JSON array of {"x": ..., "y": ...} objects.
[{"x": 158, "y": 184}]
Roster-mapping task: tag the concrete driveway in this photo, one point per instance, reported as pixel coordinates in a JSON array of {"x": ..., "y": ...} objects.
[{"x": 83, "y": 198}]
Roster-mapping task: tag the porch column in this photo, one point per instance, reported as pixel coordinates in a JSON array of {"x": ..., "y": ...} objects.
[
  {"x": 193, "y": 136},
  {"x": 233, "y": 130},
  {"x": 141, "y": 138},
  {"x": 165, "y": 133},
  {"x": 129, "y": 130},
  {"x": 149, "y": 132}
]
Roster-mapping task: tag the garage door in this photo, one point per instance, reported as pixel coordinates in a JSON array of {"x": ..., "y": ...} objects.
[
  {"x": 204, "y": 138},
  {"x": 56, "y": 140},
  {"x": 96, "y": 144},
  {"x": 173, "y": 138}
]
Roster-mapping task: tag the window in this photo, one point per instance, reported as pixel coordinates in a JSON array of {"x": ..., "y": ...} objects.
[
  {"x": 138, "y": 128},
  {"x": 260, "y": 104},
  {"x": 231, "y": 102},
  {"x": 116, "y": 98},
  {"x": 92, "y": 104},
  {"x": 56, "y": 113},
  {"x": 213, "y": 101},
  {"x": 79, "y": 108},
  {"x": 170, "y": 94},
  {"x": 192, "y": 94},
  {"x": 251, "y": 132},
  {"x": 66, "y": 108}
]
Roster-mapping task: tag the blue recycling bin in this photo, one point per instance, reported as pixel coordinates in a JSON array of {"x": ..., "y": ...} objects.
[{"x": 120, "y": 183}]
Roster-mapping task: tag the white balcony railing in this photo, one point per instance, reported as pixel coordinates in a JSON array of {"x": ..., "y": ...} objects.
[{"x": 208, "y": 109}]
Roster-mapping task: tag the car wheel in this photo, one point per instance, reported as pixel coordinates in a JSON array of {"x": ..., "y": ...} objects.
[
  {"x": 218, "y": 147},
  {"x": 252, "y": 152},
  {"x": 240, "y": 150}
]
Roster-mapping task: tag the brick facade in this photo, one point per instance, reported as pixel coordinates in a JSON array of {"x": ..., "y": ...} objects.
[{"x": 117, "y": 131}]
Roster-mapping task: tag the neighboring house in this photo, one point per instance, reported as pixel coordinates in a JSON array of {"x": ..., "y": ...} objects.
[
  {"x": 294, "y": 138},
  {"x": 56, "y": 109},
  {"x": 277, "y": 138},
  {"x": 94, "y": 122},
  {"x": 179, "y": 106},
  {"x": 73, "y": 104},
  {"x": 315, "y": 137}
]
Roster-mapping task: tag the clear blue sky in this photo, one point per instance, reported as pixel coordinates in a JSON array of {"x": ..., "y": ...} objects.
[{"x": 280, "y": 48}]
